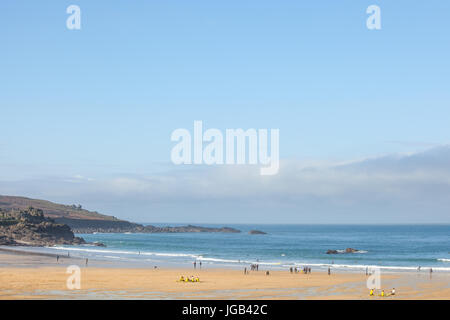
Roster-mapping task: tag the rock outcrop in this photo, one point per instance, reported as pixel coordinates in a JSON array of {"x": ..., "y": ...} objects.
[
  {"x": 348, "y": 250},
  {"x": 255, "y": 232},
  {"x": 30, "y": 228}
]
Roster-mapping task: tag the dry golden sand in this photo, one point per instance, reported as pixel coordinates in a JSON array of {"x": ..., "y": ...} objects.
[{"x": 21, "y": 279}]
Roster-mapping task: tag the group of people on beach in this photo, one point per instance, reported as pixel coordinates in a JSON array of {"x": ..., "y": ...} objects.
[
  {"x": 195, "y": 264},
  {"x": 382, "y": 293},
  {"x": 189, "y": 279},
  {"x": 305, "y": 270},
  {"x": 254, "y": 267},
  {"x": 86, "y": 261}
]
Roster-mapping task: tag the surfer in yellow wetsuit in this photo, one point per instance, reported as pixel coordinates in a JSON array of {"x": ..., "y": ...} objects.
[
  {"x": 197, "y": 279},
  {"x": 181, "y": 279},
  {"x": 382, "y": 293},
  {"x": 371, "y": 293}
]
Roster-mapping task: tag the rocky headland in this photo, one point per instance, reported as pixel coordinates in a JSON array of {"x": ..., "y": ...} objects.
[
  {"x": 25, "y": 221},
  {"x": 30, "y": 228}
]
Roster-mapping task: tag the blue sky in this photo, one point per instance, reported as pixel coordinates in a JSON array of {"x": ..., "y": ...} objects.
[{"x": 100, "y": 103}]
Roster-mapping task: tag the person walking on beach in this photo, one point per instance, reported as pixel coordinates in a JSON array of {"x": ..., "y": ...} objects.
[
  {"x": 329, "y": 271},
  {"x": 195, "y": 264},
  {"x": 200, "y": 264},
  {"x": 87, "y": 260},
  {"x": 57, "y": 258},
  {"x": 245, "y": 270}
]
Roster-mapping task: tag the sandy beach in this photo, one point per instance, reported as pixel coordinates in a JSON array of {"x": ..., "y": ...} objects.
[{"x": 34, "y": 276}]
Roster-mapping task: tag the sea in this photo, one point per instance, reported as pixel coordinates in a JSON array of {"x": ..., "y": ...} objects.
[{"x": 393, "y": 248}]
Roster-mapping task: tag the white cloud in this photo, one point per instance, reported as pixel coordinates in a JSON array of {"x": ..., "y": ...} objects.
[{"x": 398, "y": 185}]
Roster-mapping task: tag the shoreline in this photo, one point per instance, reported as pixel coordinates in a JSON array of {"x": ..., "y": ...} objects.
[
  {"x": 136, "y": 260},
  {"x": 39, "y": 276}
]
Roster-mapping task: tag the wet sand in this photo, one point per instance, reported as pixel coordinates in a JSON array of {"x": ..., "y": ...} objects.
[{"x": 34, "y": 276}]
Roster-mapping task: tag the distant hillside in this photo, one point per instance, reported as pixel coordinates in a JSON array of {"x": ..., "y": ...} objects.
[
  {"x": 84, "y": 221},
  {"x": 52, "y": 210}
]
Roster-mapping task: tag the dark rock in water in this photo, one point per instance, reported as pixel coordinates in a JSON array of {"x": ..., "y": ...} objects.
[
  {"x": 348, "y": 250},
  {"x": 30, "y": 228},
  {"x": 99, "y": 244},
  {"x": 256, "y": 232}
]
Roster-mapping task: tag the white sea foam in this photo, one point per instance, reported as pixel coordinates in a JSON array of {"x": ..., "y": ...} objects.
[
  {"x": 240, "y": 261},
  {"x": 92, "y": 250},
  {"x": 144, "y": 253},
  {"x": 364, "y": 267},
  {"x": 130, "y": 255},
  {"x": 356, "y": 252}
]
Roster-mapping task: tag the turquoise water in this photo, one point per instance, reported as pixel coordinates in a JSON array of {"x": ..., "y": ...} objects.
[{"x": 396, "y": 247}]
